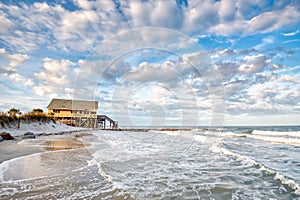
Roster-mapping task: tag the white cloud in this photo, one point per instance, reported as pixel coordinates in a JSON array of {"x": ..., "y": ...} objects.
[
  {"x": 254, "y": 64},
  {"x": 229, "y": 28},
  {"x": 5, "y": 23},
  {"x": 16, "y": 60},
  {"x": 170, "y": 19},
  {"x": 290, "y": 79},
  {"x": 74, "y": 27},
  {"x": 13, "y": 61},
  {"x": 222, "y": 53},
  {"x": 265, "y": 42},
  {"x": 30, "y": 25},
  {"x": 270, "y": 21},
  {"x": 159, "y": 14},
  {"x": 139, "y": 13},
  {"x": 14, "y": 84},
  {"x": 256, "y": 85},
  {"x": 199, "y": 17},
  {"x": 18, "y": 79},
  {"x": 227, "y": 10},
  {"x": 2, "y": 51},
  {"x": 85, "y": 4},
  {"x": 291, "y": 41},
  {"x": 247, "y": 22},
  {"x": 248, "y": 9},
  {"x": 290, "y": 34},
  {"x": 53, "y": 26},
  {"x": 154, "y": 72},
  {"x": 33, "y": 25},
  {"x": 270, "y": 94},
  {"x": 55, "y": 78}
]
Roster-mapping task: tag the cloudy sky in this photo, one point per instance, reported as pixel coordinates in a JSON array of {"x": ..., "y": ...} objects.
[{"x": 172, "y": 62}]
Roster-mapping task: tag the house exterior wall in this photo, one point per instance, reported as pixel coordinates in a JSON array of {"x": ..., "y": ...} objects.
[
  {"x": 74, "y": 112},
  {"x": 59, "y": 113}
]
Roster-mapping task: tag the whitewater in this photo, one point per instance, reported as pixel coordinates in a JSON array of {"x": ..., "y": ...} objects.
[{"x": 214, "y": 163}]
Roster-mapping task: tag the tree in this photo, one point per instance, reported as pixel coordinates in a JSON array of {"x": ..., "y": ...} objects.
[
  {"x": 13, "y": 111},
  {"x": 15, "y": 115},
  {"x": 37, "y": 110}
]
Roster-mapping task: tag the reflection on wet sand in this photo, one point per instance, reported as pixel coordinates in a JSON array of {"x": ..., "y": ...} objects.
[{"x": 63, "y": 144}]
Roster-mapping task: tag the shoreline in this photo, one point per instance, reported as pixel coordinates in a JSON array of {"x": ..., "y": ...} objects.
[
  {"x": 20, "y": 146},
  {"x": 11, "y": 149},
  {"x": 150, "y": 129}
]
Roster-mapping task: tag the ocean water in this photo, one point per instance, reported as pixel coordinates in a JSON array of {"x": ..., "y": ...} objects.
[{"x": 219, "y": 163}]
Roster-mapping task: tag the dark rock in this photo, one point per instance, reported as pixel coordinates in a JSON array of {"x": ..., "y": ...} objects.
[
  {"x": 1, "y": 139},
  {"x": 59, "y": 133},
  {"x": 6, "y": 136},
  {"x": 28, "y": 136},
  {"x": 46, "y": 134},
  {"x": 28, "y": 133}
]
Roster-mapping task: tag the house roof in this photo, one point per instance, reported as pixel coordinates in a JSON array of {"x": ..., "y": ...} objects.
[{"x": 73, "y": 104}]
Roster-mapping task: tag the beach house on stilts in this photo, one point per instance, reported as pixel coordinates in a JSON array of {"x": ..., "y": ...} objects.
[{"x": 81, "y": 113}]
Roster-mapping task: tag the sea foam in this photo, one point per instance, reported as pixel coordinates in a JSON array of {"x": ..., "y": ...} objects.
[
  {"x": 276, "y": 133},
  {"x": 269, "y": 136},
  {"x": 216, "y": 148}
]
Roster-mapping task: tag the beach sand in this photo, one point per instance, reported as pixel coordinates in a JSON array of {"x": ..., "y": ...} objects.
[
  {"x": 11, "y": 149},
  {"x": 48, "y": 167},
  {"x": 43, "y": 156},
  {"x": 63, "y": 144}
]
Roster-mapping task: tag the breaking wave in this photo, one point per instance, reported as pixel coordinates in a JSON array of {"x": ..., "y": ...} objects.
[
  {"x": 216, "y": 148},
  {"x": 290, "y": 138}
]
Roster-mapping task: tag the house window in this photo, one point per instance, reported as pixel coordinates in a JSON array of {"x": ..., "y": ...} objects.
[{"x": 55, "y": 111}]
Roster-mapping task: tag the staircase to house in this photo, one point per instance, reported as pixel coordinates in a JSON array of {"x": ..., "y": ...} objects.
[{"x": 102, "y": 119}]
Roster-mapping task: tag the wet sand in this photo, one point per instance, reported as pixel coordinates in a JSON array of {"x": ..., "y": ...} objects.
[
  {"x": 10, "y": 149},
  {"x": 63, "y": 145}
]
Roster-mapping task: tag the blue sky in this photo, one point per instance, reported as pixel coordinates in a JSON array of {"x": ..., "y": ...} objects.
[{"x": 72, "y": 49}]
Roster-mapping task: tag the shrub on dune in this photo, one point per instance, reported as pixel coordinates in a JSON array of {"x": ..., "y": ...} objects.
[{"x": 14, "y": 116}]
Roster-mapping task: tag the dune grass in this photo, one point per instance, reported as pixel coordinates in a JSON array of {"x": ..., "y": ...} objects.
[
  {"x": 36, "y": 117},
  {"x": 12, "y": 120}
]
